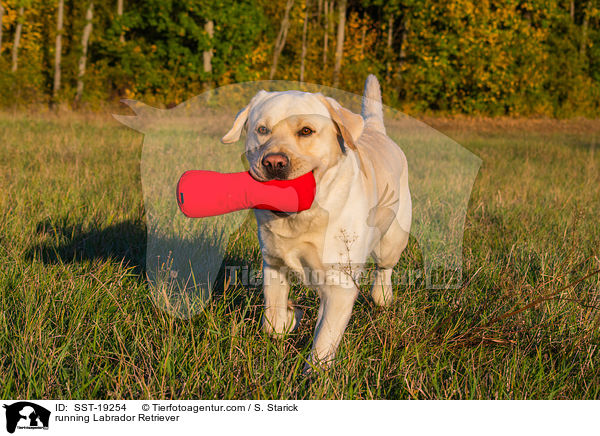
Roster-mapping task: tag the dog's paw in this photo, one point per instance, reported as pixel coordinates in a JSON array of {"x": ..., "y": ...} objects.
[
  {"x": 382, "y": 295},
  {"x": 381, "y": 292},
  {"x": 315, "y": 365},
  {"x": 277, "y": 326}
]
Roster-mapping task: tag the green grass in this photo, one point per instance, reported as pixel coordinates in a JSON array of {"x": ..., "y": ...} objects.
[{"x": 77, "y": 319}]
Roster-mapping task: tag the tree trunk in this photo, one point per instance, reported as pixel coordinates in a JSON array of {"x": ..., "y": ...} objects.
[
  {"x": 209, "y": 28},
  {"x": 339, "y": 47},
  {"x": 388, "y": 66},
  {"x": 326, "y": 35},
  {"x": 572, "y": 10},
  {"x": 1, "y": 17},
  {"x": 319, "y": 9},
  {"x": 304, "y": 31},
  {"x": 17, "y": 41},
  {"x": 58, "y": 50},
  {"x": 403, "y": 39},
  {"x": 87, "y": 31},
  {"x": 280, "y": 42},
  {"x": 584, "y": 29},
  {"x": 363, "y": 36},
  {"x": 120, "y": 14}
]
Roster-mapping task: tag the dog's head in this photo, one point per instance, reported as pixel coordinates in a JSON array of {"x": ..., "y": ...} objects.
[{"x": 292, "y": 133}]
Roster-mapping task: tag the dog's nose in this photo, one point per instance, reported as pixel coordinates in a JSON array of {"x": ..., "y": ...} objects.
[
  {"x": 277, "y": 161},
  {"x": 276, "y": 164}
]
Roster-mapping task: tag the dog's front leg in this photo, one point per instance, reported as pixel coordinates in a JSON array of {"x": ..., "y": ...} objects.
[
  {"x": 280, "y": 316},
  {"x": 335, "y": 310}
]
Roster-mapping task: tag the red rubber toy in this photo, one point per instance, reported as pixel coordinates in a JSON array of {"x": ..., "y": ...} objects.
[{"x": 202, "y": 194}]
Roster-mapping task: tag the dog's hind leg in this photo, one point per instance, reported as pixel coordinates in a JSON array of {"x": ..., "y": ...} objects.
[
  {"x": 386, "y": 255},
  {"x": 280, "y": 316}
]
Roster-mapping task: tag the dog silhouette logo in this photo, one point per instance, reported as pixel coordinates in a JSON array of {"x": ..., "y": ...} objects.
[{"x": 26, "y": 415}]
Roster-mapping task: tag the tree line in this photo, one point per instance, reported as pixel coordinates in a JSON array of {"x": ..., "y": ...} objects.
[{"x": 496, "y": 57}]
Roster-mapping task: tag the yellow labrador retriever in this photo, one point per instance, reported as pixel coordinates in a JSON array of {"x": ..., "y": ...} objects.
[{"x": 362, "y": 205}]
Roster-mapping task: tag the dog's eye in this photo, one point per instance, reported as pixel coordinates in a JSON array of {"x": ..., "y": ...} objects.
[
  {"x": 305, "y": 131},
  {"x": 262, "y": 130}
]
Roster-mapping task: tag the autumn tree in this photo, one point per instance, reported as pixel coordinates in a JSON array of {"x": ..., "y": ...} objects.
[
  {"x": 339, "y": 46},
  {"x": 58, "y": 50},
  {"x": 85, "y": 38},
  {"x": 17, "y": 38}
]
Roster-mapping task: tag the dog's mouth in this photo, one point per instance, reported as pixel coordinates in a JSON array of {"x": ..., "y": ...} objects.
[
  {"x": 284, "y": 214},
  {"x": 260, "y": 176},
  {"x": 255, "y": 175},
  {"x": 281, "y": 214}
]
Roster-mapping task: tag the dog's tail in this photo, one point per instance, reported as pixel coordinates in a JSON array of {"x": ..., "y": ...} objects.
[{"x": 372, "y": 108}]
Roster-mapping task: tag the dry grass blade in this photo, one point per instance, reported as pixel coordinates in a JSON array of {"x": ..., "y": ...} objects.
[{"x": 540, "y": 300}]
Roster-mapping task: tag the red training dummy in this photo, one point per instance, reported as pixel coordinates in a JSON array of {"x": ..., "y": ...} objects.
[{"x": 208, "y": 193}]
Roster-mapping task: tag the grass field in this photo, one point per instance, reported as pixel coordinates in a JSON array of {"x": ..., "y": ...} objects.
[{"x": 77, "y": 320}]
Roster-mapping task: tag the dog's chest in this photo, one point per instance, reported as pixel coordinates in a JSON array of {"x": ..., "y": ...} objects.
[
  {"x": 334, "y": 233},
  {"x": 320, "y": 242},
  {"x": 296, "y": 242}
]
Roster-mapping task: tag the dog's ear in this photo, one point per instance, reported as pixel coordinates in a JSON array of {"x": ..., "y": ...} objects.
[
  {"x": 236, "y": 130},
  {"x": 240, "y": 120},
  {"x": 349, "y": 124}
]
